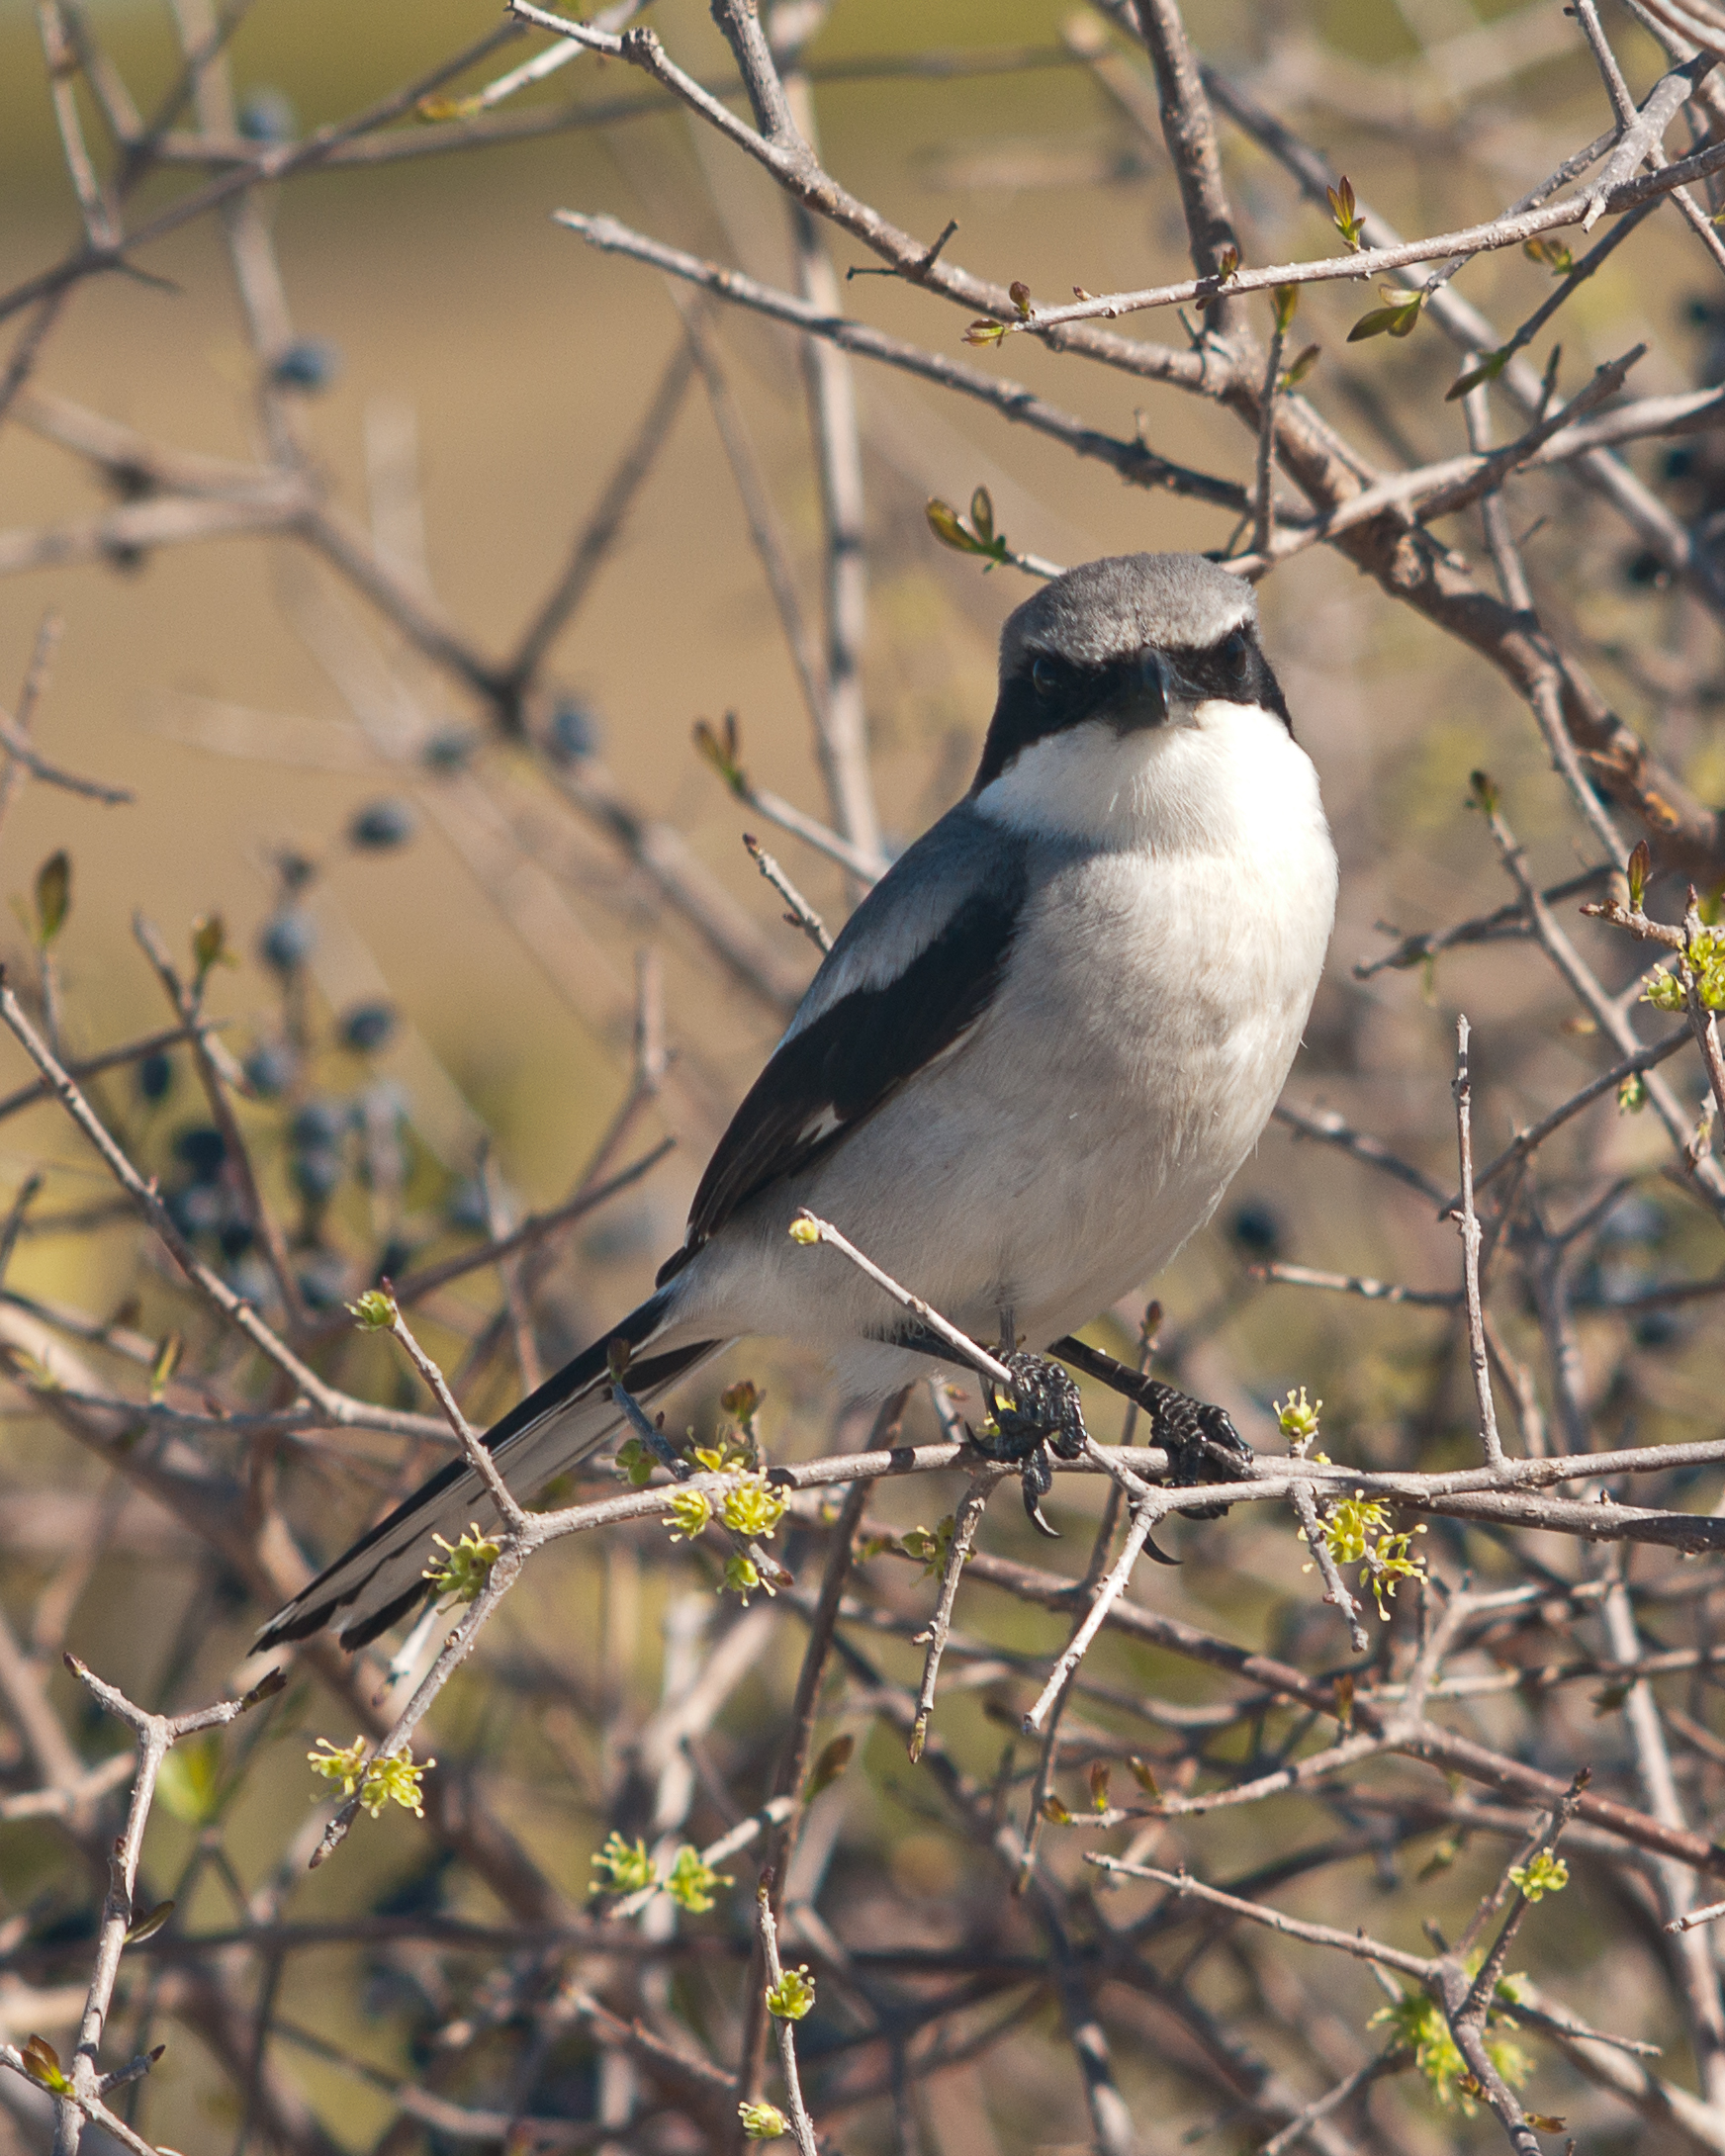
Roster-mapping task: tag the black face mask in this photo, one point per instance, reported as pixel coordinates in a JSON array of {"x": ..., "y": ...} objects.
[{"x": 1048, "y": 695}]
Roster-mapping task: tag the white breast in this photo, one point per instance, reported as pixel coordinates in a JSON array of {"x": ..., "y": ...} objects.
[{"x": 1171, "y": 973}]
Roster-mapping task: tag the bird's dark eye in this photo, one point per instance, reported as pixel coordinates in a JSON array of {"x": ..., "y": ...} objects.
[
  {"x": 1233, "y": 653},
  {"x": 1045, "y": 675}
]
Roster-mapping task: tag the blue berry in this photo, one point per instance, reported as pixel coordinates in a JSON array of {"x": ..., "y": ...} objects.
[
  {"x": 203, "y": 1149},
  {"x": 267, "y": 115},
  {"x": 288, "y": 941},
  {"x": 317, "y": 1172},
  {"x": 452, "y": 750},
  {"x": 574, "y": 731},
  {"x": 155, "y": 1076},
  {"x": 1257, "y": 1228},
  {"x": 197, "y": 1209},
  {"x": 320, "y": 1123},
  {"x": 309, "y": 364},
  {"x": 368, "y": 1027},
  {"x": 382, "y": 825},
  {"x": 270, "y": 1069},
  {"x": 466, "y": 1208}
]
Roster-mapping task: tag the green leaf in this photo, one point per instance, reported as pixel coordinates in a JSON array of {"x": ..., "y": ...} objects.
[
  {"x": 978, "y": 537},
  {"x": 41, "y": 2062},
  {"x": 723, "y": 750},
  {"x": 1344, "y": 209},
  {"x": 433, "y": 109},
  {"x": 1293, "y": 376},
  {"x": 1639, "y": 865},
  {"x": 189, "y": 1780},
  {"x": 167, "y": 1360},
  {"x": 210, "y": 946},
  {"x": 1284, "y": 300},
  {"x": 833, "y": 1760},
  {"x": 1485, "y": 791},
  {"x": 1441, "y": 1857},
  {"x": 944, "y": 523},
  {"x": 1551, "y": 254},
  {"x": 984, "y": 331},
  {"x": 635, "y": 1462},
  {"x": 148, "y": 1923},
  {"x": 1488, "y": 370},
  {"x": 53, "y": 896},
  {"x": 1396, "y": 320}
]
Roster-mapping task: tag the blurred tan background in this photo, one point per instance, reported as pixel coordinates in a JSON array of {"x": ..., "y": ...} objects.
[{"x": 522, "y": 364}]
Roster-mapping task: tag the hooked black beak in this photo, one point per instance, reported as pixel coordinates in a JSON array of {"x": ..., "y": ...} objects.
[{"x": 1152, "y": 689}]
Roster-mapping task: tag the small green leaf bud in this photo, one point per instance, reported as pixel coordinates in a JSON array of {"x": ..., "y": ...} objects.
[
  {"x": 793, "y": 1996},
  {"x": 625, "y": 1867},
  {"x": 762, "y": 2121}
]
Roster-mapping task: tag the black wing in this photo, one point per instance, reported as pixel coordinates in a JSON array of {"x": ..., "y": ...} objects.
[{"x": 859, "y": 1039}]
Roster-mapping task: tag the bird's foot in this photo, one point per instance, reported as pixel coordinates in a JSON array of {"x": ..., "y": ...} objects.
[
  {"x": 1043, "y": 1409},
  {"x": 1201, "y": 1441}
]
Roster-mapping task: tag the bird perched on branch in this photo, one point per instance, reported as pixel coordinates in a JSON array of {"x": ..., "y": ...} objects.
[{"x": 1027, "y": 1071}]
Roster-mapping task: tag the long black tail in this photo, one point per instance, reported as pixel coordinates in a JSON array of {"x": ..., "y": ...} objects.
[{"x": 383, "y": 1576}]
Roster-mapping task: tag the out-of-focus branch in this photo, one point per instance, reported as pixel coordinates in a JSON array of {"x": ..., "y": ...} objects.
[
  {"x": 156, "y": 1733},
  {"x": 338, "y": 1406},
  {"x": 601, "y": 532}
]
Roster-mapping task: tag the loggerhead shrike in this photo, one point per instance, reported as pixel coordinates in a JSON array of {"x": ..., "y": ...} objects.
[{"x": 1027, "y": 1071}]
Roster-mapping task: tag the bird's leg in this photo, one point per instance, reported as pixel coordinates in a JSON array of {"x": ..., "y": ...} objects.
[{"x": 1201, "y": 1441}]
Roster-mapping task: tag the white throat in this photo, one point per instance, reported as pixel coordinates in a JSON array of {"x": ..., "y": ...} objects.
[{"x": 1222, "y": 776}]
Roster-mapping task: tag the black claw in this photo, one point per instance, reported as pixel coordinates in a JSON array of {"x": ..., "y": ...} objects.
[
  {"x": 1033, "y": 1513},
  {"x": 1037, "y": 1479}
]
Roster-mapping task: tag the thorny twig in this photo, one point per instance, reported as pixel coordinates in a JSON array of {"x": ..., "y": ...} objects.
[{"x": 1490, "y": 1440}]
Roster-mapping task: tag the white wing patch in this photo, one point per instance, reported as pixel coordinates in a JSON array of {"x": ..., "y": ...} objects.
[{"x": 821, "y": 1125}]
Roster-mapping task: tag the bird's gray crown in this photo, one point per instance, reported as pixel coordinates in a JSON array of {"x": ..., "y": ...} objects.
[{"x": 1125, "y": 603}]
